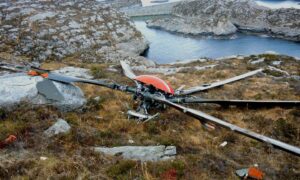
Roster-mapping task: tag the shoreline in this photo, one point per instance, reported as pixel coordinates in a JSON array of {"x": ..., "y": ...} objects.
[
  {"x": 166, "y": 52},
  {"x": 226, "y": 22}
]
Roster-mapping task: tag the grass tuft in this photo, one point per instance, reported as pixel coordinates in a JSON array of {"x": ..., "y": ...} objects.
[{"x": 121, "y": 169}]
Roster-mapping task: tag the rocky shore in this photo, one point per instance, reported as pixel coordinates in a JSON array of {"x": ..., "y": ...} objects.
[
  {"x": 214, "y": 17},
  {"x": 92, "y": 30}
]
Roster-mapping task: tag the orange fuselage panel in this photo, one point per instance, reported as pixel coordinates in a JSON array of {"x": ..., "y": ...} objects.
[{"x": 156, "y": 82}]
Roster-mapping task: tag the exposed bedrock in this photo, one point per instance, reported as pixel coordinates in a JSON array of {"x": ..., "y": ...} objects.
[
  {"x": 54, "y": 29},
  {"x": 215, "y": 17}
]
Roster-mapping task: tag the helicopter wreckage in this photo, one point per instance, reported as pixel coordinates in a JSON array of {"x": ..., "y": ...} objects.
[{"x": 152, "y": 92}]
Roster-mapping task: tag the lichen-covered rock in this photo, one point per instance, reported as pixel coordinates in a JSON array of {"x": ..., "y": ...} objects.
[
  {"x": 55, "y": 29},
  {"x": 142, "y": 153},
  {"x": 75, "y": 72},
  {"x": 215, "y": 17},
  {"x": 16, "y": 88}
]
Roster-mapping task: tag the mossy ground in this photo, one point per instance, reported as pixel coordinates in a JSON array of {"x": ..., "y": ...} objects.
[{"x": 104, "y": 123}]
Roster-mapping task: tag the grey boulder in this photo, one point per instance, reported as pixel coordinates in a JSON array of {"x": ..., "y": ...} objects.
[
  {"x": 17, "y": 88},
  {"x": 60, "y": 127},
  {"x": 142, "y": 153}
]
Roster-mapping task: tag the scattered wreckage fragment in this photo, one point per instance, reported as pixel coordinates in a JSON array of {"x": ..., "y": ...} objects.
[
  {"x": 251, "y": 172},
  {"x": 153, "y": 92},
  {"x": 141, "y": 117},
  {"x": 8, "y": 141}
]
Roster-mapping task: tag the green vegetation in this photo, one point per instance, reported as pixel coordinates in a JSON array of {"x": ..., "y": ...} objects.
[
  {"x": 273, "y": 73},
  {"x": 98, "y": 72},
  {"x": 121, "y": 170},
  {"x": 285, "y": 129}
]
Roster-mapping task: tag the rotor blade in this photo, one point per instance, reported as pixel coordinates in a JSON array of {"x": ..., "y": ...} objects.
[
  {"x": 178, "y": 90},
  {"x": 127, "y": 70},
  {"x": 203, "y": 116},
  {"x": 218, "y": 83},
  {"x": 240, "y": 103},
  {"x": 103, "y": 83},
  {"x": 10, "y": 68},
  {"x": 69, "y": 79},
  {"x": 14, "y": 67},
  {"x": 62, "y": 78}
]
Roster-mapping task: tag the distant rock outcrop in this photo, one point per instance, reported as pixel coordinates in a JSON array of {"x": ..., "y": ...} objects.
[
  {"x": 55, "y": 29},
  {"x": 215, "y": 17}
]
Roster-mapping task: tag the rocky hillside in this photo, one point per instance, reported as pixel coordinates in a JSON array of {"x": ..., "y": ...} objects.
[
  {"x": 216, "y": 17},
  {"x": 41, "y": 30}
]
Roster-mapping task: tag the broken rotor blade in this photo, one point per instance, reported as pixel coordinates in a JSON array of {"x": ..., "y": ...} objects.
[
  {"x": 127, "y": 70},
  {"x": 62, "y": 78},
  {"x": 103, "y": 83},
  {"x": 142, "y": 117},
  {"x": 218, "y": 83},
  {"x": 239, "y": 103},
  {"x": 14, "y": 67},
  {"x": 208, "y": 118},
  {"x": 69, "y": 79},
  {"x": 178, "y": 90},
  {"x": 10, "y": 68}
]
